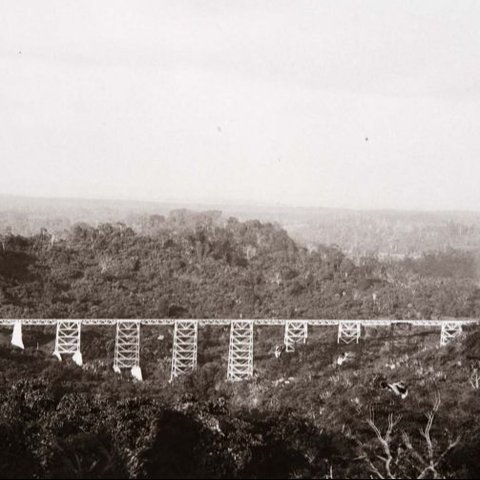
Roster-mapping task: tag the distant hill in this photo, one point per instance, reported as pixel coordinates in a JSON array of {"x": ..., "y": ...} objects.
[{"x": 388, "y": 233}]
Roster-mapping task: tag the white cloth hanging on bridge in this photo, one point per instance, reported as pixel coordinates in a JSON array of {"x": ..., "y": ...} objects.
[
  {"x": 77, "y": 358},
  {"x": 17, "y": 339},
  {"x": 137, "y": 373}
]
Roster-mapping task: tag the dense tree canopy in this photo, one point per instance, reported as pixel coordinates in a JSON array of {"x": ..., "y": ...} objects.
[{"x": 202, "y": 268}]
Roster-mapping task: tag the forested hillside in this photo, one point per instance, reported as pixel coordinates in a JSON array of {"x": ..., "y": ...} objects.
[
  {"x": 193, "y": 266},
  {"x": 302, "y": 415}
]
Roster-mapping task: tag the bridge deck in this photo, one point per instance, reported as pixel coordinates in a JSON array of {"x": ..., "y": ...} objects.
[{"x": 227, "y": 321}]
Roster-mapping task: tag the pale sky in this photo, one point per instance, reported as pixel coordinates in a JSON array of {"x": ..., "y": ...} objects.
[{"x": 243, "y": 101}]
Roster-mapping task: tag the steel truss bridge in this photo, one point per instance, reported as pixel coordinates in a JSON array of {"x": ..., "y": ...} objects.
[{"x": 185, "y": 338}]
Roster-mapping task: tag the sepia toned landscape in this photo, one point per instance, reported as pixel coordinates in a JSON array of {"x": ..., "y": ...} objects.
[
  {"x": 239, "y": 240},
  {"x": 311, "y": 412}
]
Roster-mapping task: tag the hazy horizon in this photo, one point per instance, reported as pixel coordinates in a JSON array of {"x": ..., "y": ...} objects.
[
  {"x": 362, "y": 105},
  {"x": 218, "y": 203}
]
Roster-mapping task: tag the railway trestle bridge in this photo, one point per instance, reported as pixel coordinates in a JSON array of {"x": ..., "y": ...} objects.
[{"x": 185, "y": 338}]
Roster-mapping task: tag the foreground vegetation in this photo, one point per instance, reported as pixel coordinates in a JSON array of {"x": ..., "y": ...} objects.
[{"x": 301, "y": 416}]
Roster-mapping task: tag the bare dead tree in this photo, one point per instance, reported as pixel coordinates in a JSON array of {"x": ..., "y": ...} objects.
[
  {"x": 385, "y": 441},
  {"x": 475, "y": 376},
  {"x": 433, "y": 459},
  {"x": 398, "y": 462}
]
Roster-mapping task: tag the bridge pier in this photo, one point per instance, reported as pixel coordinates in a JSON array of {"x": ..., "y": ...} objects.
[
  {"x": 450, "y": 330},
  {"x": 184, "y": 354},
  {"x": 127, "y": 347},
  {"x": 348, "y": 331},
  {"x": 295, "y": 332},
  {"x": 67, "y": 340},
  {"x": 240, "y": 352},
  {"x": 17, "y": 339}
]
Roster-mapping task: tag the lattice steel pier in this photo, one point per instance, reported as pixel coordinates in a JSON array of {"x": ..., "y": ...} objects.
[
  {"x": 450, "y": 331},
  {"x": 184, "y": 355},
  {"x": 127, "y": 347},
  {"x": 295, "y": 332},
  {"x": 240, "y": 352},
  {"x": 348, "y": 331},
  {"x": 67, "y": 340}
]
